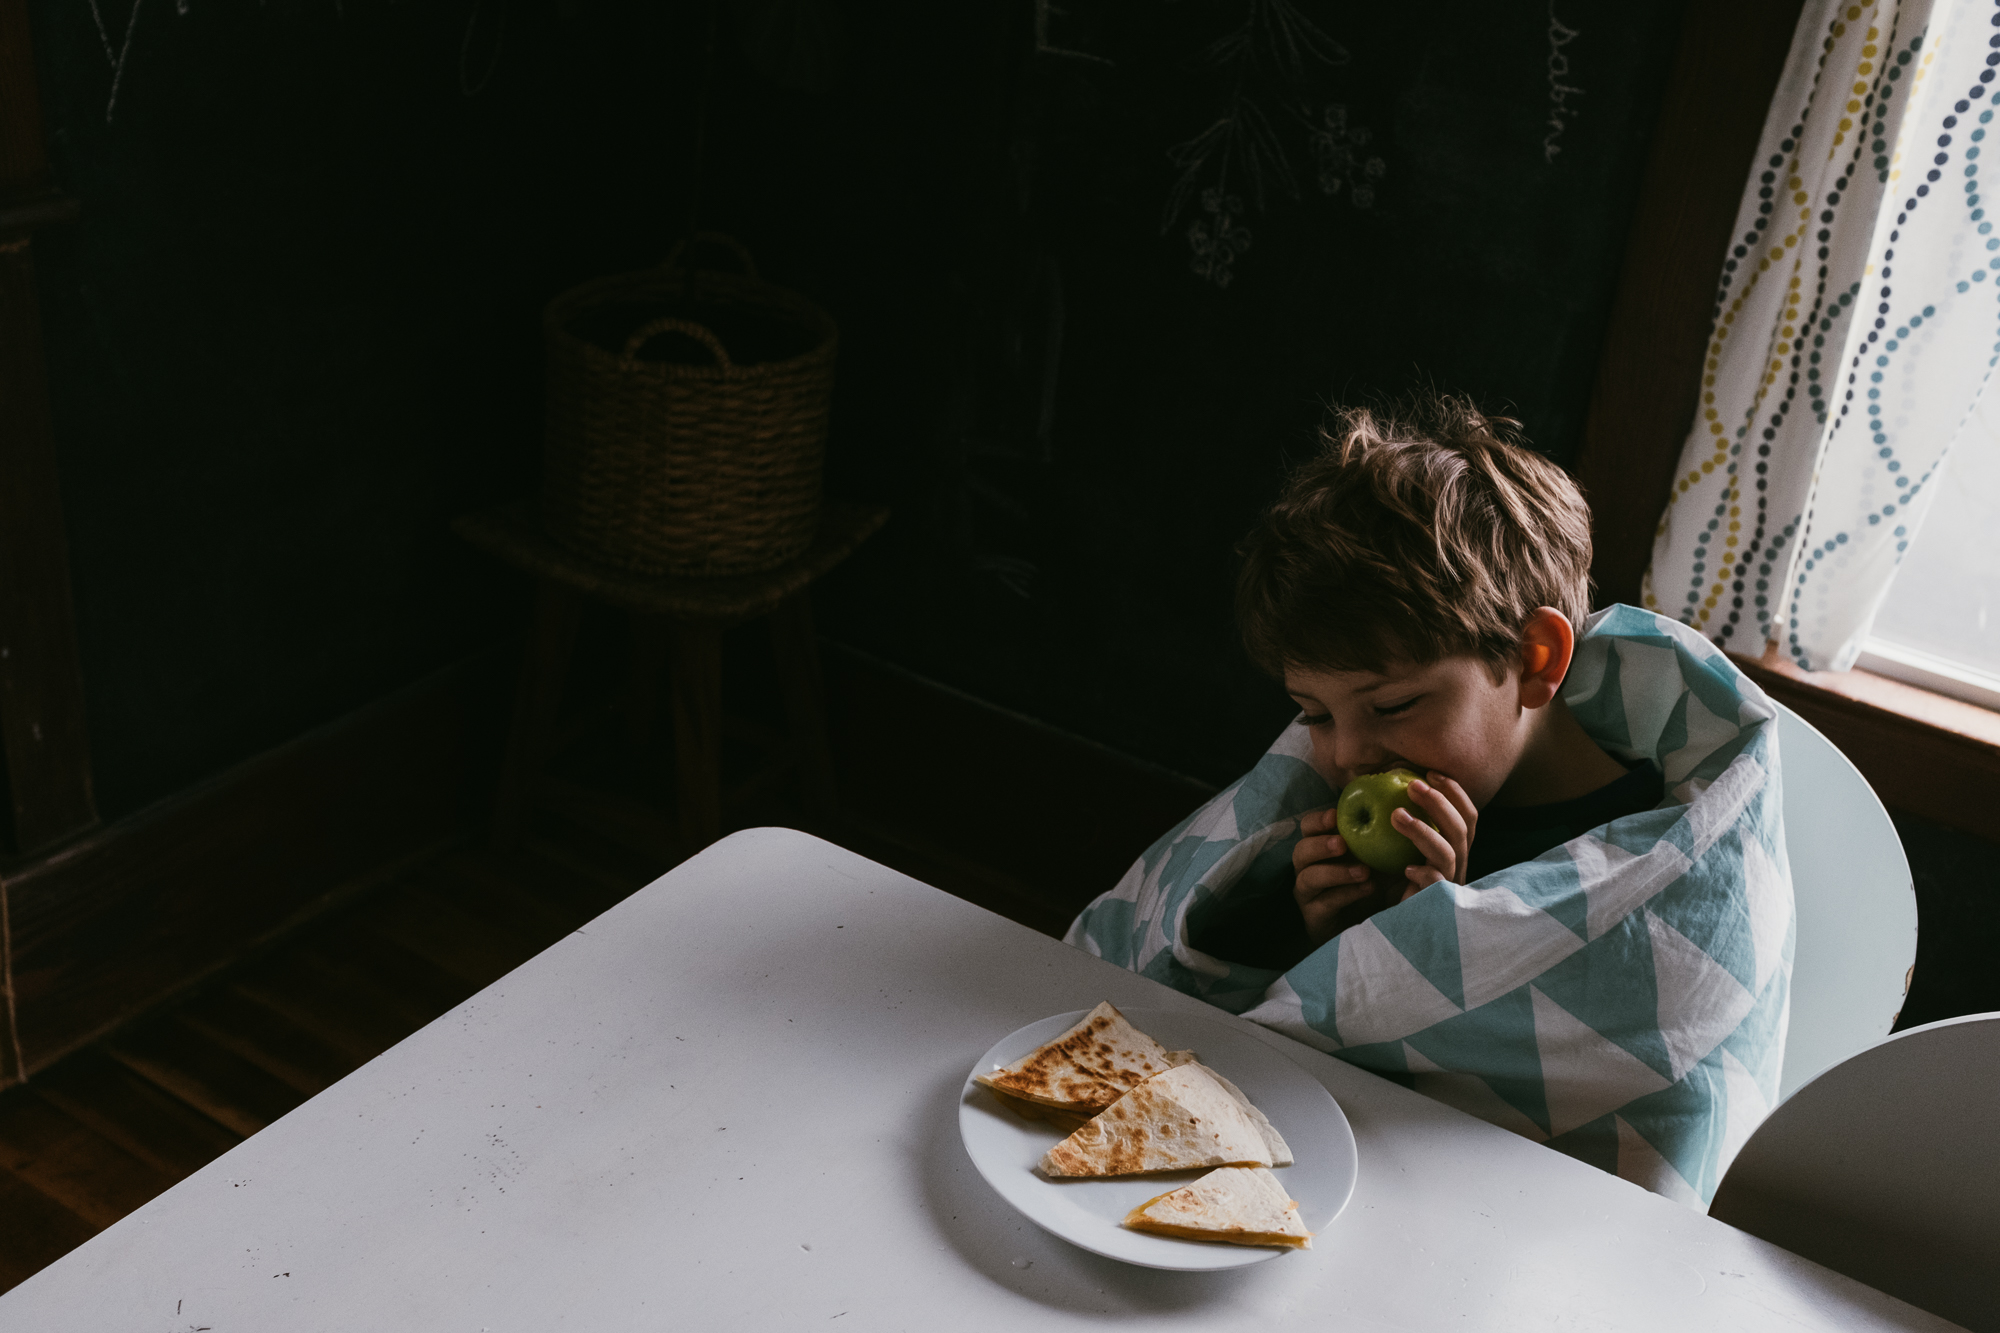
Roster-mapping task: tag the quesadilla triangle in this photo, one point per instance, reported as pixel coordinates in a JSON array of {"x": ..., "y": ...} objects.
[
  {"x": 1174, "y": 1121},
  {"x": 1281, "y": 1152},
  {"x": 1088, "y": 1067},
  {"x": 1242, "y": 1205}
]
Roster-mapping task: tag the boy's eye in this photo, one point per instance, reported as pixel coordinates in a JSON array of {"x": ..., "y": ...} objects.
[
  {"x": 1396, "y": 710},
  {"x": 1314, "y": 719}
]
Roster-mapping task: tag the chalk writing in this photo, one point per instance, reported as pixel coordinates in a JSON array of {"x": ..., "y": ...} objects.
[{"x": 1560, "y": 111}]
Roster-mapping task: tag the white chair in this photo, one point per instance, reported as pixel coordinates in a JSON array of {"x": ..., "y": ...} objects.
[
  {"x": 1857, "y": 906},
  {"x": 1887, "y": 1168}
]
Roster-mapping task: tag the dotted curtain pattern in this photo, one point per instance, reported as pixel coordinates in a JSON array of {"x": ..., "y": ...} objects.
[{"x": 1856, "y": 320}]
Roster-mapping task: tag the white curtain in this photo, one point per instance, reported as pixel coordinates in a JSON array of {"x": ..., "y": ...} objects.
[{"x": 1856, "y": 320}]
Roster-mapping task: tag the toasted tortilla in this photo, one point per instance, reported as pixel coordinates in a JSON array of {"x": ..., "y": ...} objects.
[
  {"x": 1087, "y": 1068},
  {"x": 1281, "y": 1152},
  {"x": 1239, "y": 1205},
  {"x": 1174, "y": 1121},
  {"x": 1065, "y": 1122}
]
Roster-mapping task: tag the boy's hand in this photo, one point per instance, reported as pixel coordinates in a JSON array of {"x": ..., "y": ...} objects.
[
  {"x": 1333, "y": 890},
  {"x": 1447, "y": 847}
]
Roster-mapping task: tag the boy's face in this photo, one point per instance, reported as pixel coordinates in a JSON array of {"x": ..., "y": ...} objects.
[{"x": 1449, "y": 717}]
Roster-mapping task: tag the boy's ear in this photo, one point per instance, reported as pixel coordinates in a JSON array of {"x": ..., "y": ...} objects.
[{"x": 1547, "y": 643}]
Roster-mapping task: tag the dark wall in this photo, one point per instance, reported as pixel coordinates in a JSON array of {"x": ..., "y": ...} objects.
[
  {"x": 1958, "y": 922},
  {"x": 296, "y": 331},
  {"x": 1076, "y": 402},
  {"x": 1097, "y": 272}
]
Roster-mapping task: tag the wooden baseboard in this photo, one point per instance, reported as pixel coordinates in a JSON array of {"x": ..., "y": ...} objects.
[{"x": 133, "y": 913}]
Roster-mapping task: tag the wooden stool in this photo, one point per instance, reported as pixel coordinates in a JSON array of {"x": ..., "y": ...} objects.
[{"x": 680, "y": 621}]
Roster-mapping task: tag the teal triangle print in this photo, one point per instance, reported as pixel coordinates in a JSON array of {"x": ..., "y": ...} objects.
[{"x": 1621, "y": 996}]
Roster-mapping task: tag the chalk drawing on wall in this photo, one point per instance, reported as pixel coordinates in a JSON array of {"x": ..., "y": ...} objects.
[
  {"x": 1337, "y": 146},
  {"x": 117, "y": 54},
  {"x": 478, "y": 53},
  {"x": 1046, "y": 13},
  {"x": 1269, "y": 60},
  {"x": 1218, "y": 236},
  {"x": 492, "y": 35},
  {"x": 1560, "y": 110}
]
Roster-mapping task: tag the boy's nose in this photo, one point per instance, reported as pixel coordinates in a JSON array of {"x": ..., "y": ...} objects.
[{"x": 1357, "y": 752}]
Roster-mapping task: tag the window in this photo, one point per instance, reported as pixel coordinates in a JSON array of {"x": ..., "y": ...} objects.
[{"x": 1939, "y": 625}]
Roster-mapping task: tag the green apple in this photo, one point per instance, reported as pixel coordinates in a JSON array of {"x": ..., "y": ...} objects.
[{"x": 1363, "y": 817}]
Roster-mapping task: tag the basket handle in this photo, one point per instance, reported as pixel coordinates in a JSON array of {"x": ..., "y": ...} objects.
[
  {"x": 654, "y": 328},
  {"x": 727, "y": 242}
]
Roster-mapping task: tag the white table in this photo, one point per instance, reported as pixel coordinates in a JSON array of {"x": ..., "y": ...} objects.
[{"x": 731, "y": 1102}]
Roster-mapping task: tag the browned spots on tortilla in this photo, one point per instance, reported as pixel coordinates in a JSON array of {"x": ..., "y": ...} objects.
[
  {"x": 1077, "y": 1069},
  {"x": 1183, "y": 1202},
  {"x": 1100, "y": 1150},
  {"x": 1128, "y": 1153}
]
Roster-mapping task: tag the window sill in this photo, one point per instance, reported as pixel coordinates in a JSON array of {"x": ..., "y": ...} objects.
[
  {"x": 1933, "y": 756},
  {"x": 1928, "y": 672}
]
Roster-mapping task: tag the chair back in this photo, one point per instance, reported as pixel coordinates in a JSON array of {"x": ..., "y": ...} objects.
[
  {"x": 1887, "y": 1168},
  {"x": 1857, "y": 906}
]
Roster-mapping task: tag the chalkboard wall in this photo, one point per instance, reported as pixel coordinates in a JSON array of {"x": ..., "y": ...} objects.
[
  {"x": 1097, "y": 269},
  {"x": 295, "y": 332},
  {"x": 1137, "y": 248}
]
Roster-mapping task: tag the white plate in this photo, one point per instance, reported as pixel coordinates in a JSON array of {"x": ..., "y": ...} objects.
[{"x": 1006, "y": 1147}]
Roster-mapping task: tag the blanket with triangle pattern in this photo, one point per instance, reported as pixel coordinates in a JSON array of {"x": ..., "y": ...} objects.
[{"x": 1622, "y": 998}]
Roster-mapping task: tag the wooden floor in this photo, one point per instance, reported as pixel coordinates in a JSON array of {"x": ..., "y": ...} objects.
[{"x": 105, "y": 1129}]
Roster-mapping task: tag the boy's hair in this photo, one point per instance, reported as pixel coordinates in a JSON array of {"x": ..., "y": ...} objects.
[{"x": 1415, "y": 535}]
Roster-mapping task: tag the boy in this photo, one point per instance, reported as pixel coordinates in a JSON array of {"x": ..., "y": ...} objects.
[{"x": 1596, "y": 950}]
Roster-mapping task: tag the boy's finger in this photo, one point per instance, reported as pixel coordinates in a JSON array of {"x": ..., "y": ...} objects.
[
  {"x": 1421, "y": 878},
  {"x": 1334, "y": 899},
  {"x": 1312, "y": 851},
  {"x": 1326, "y": 906},
  {"x": 1451, "y": 852},
  {"x": 1441, "y": 815},
  {"x": 1445, "y": 816},
  {"x": 1317, "y": 821},
  {"x": 1456, "y": 795},
  {"x": 1459, "y": 827},
  {"x": 1320, "y": 878},
  {"x": 1437, "y": 849}
]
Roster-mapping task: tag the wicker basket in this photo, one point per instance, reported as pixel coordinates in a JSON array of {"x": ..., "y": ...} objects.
[{"x": 704, "y": 466}]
